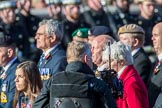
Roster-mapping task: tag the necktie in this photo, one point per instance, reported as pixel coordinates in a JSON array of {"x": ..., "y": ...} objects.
[{"x": 41, "y": 59}]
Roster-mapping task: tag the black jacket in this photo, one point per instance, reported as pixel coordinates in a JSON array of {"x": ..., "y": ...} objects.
[
  {"x": 101, "y": 92},
  {"x": 155, "y": 85},
  {"x": 143, "y": 65}
]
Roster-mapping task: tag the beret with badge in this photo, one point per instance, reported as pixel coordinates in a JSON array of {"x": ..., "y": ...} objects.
[
  {"x": 66, "y": 2},
  {"x": 81, "y": 32},
  {"x": 51, "y": 2},
  {"x": 98, "y": 30},
  {"x": 131, "y": 28},
  {"x": 7, "y": 4}
]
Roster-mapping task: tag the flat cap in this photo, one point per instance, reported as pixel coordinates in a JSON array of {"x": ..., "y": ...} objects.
[
  {"x": 81, "y": 32},
  {"x": 99, "y": 30},
  {"x": 50, "y": 2},
  {"x": 7, "y": 4},
  {"x": 66, "y": 2},
  {"x": 131, "y": 28}
]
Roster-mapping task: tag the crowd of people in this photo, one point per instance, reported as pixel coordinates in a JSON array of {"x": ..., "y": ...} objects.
[{"x": 67, "y": 60}]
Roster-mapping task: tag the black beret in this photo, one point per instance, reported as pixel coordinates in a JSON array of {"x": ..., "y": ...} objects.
[{"x": 99, "y": 30}]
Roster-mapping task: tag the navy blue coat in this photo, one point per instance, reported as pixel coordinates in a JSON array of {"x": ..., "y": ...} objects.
[
  {"x": 55, "y": 62},
  {"x": 9, "y": 85}
]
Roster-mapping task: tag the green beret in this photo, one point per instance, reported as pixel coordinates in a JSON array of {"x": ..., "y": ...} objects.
[
  {"x": 7, "y": 4},
  {"x": 66, "y": 2},
  {"x": 81, "y": 32}
]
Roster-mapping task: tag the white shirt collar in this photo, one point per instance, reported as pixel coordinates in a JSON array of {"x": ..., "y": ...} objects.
[
  {"x": 160, "y": 57},
  {"x": 9, "y": 64},
  {"x": 135, "y": 51},
  {"x": 121, "y": 71},
  {"x": 102, "y": 67}
]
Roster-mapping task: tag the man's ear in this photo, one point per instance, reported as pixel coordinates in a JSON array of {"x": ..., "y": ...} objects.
[
  {"x": 84, "y": 59},
  {"x": 10, "y": 52},
  {"x": 53, "y": 38},
  {"x": 136, "y": 42},
  {"x": 140, "y": 6}
]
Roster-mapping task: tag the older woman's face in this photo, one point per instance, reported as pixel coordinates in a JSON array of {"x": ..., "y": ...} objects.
[{"x": 20, "y": 80}]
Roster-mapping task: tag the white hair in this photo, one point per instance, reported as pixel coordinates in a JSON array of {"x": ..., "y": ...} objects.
[
  {"x": 53, "y": 27},
  {"x": 117, "y": 51}
]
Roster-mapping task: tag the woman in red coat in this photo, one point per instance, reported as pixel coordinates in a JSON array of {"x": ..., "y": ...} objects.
[{"x": 135, "y": 93}]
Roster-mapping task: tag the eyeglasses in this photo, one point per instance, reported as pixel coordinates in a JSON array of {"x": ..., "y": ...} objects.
[{"x": 39, "y": 34}]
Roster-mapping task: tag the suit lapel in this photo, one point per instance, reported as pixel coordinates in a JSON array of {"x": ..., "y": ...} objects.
[
  {"x": 52, "y": 53},
  {"x": 12, "y": 67}
]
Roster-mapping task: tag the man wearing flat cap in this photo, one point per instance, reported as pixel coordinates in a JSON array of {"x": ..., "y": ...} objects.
[
  {"x": 72, "y": 21},
  {"x": 8, "y": 63},
  {"x": 134, "y": 35},
  {"x": 80, "y": 34}
]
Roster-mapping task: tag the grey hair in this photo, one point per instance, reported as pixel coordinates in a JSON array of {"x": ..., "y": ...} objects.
[
  {"x": 53, "y": 27},
  {"x": 117, "y": 51}
]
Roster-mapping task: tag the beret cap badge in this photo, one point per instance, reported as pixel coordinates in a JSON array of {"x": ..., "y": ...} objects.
[{"x": 79, "y": 33}]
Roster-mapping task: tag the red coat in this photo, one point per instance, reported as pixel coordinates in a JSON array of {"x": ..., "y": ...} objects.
[{"x": 135, "y": 93}]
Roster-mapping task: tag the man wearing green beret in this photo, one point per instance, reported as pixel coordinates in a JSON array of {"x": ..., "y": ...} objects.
[{"x": 80, "y": 34}]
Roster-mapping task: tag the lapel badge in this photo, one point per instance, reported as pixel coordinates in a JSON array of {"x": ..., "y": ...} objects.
[
  {"x": 4, "y": 87},
  {"x": 47, "y": 56},
  {"x": 157, "y": 68},
  {"x": 79, "y": 33},
  {"x": 3, "y": 76},
  {"x": 3, "y": 97}
]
